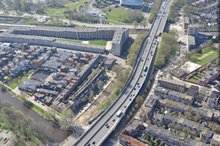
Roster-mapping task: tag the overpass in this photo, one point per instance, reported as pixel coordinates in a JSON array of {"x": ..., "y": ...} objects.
[{"x": 141, "y": 74}]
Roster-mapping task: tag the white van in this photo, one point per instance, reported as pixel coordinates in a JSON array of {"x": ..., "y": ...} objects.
[{"x": 119, "y": 113}]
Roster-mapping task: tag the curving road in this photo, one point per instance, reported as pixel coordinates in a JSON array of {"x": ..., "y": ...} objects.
[{"x": 104, "y": 126}]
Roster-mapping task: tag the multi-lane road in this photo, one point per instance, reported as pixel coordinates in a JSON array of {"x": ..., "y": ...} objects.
[{"x": 141, "y": 73}]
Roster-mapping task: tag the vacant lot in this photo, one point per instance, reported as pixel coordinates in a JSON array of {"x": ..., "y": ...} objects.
[{"x": 208, "y": 54}]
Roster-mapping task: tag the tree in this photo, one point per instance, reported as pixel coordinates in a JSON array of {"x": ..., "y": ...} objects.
[
  {"x": 53, "y": 111},
  {"x": 3, "y": 89},
  {"x": 144, "y": 23},
  {"x": 197, "y": 118},
  {"x": 134, "y": 49},
  {"x": 188, "y": 115},
  {"x": 22, "y": 127},
  {"x": 66, "y": 119},
  {"x": 139, "y": 100},
  {"x": 91, "y": 95},
  {"x": 22, "y": 5},
  {"x": 135, "y": 24},
  {"x": 55, "y": 3},
  {"x": 154, "y": 10},
  {"x": 167, "y": 48},
  {"x": 100, "y": 85}
]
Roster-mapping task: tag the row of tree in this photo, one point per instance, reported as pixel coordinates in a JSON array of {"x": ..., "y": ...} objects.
[
  {"x": 135, "y": 16},
  {"x": 167, "y": 48},
  {"x": 29, "y": 5},
  {"x": 73, "y": 15},
  {"x": 176, "y": 6},
  {"x": 122, "y": 75},
  {"x": 154, "y": 10},
  {"x": 134, "y": 49},
  {"x": 21, "y": 126}
]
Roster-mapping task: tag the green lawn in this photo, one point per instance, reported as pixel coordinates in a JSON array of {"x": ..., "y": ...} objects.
[
  {"x": 196, "y": 77},
  {"x": 74, "y": 5},
  {"x": 55, "y": 11},
  {"x": 91, "y": 42},
  {"x": 208, "y": 54},
  {"x": 117, "y": 14},
  {"x": 98, "y": 42},
  {"x": 4, "y": 125},
  {"x": 68, "y": 40},
  {"x": 122, "y": 15},
  {"x": 30, "y": 21},
  {"x": 67, "y": 6},
  {"x": 17, "y": 81}
]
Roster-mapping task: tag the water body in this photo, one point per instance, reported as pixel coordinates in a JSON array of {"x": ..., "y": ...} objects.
[{"x": 45, "y": 127}]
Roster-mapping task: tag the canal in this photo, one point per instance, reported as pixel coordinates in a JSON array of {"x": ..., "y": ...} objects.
[{"x": 46, "y": 128}]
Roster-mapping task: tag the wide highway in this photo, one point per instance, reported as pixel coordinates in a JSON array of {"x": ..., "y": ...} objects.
[{"x": 104, "y": 126}]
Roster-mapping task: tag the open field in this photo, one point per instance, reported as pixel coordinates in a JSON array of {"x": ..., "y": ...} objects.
[
  {"x": 68, "y": 40},
  {"x": 68, "y": 6},
  {"x": 208, "y": 54},
  {"x": 117, "y": 14},
  {"x": 123, "y": 15},
  {"x": 92, "y": 42},
  {"x": 98, "y": 42}
]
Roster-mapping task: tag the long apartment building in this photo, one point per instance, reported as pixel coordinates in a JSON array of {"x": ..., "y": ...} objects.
[
  {"x": 50, "y": 42},
  {"x": 200, "y": 130},
  {"x": 172, "y": 84},
  {"x": 170, "y": 138},
  {"x": 118, "y": 36}
]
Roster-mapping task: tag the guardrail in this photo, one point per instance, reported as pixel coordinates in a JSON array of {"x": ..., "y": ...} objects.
[
  {"x": 137, "y": 60},
  {"x": 122, "y": 91}
]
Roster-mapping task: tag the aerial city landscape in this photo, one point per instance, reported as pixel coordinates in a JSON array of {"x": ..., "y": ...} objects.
[{"x": 109, "y": 73}]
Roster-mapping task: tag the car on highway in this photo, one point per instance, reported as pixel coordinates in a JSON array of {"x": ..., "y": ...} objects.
[
  {"x": 119, "y": 113},
  {"x": 145, "y": 67}
]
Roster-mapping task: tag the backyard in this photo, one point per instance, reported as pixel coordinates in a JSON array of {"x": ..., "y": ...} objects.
[
  {"x": 16, "y": 81},
  {"x": 196, "y": 77}
]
